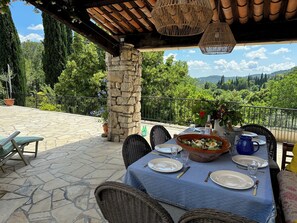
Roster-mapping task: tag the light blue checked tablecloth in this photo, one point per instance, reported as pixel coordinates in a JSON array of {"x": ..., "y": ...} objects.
[{"x": 190, "y": 191}]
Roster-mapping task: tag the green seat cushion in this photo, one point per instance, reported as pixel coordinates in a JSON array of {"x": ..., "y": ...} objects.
[
  {"x": 6, "y": 149},
  {"x": 20, "y": 140}
]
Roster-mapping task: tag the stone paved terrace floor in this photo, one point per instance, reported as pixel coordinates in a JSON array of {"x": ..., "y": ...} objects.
[{"x": 73, "y": 159}]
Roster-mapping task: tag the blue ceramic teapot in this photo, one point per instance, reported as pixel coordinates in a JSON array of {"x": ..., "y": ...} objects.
[{"x": 245, "y": 145}]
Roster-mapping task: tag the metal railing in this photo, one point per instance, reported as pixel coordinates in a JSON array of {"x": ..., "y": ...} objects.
[{"x": 281, "y": 121}]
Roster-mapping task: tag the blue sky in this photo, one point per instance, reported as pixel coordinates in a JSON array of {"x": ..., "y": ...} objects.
[{"x": 244, "y": 60}]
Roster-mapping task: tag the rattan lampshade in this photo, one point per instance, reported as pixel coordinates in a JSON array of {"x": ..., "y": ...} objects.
[
  {"x": 217, "y": 39},
  {"x": 181, "y": 17}
]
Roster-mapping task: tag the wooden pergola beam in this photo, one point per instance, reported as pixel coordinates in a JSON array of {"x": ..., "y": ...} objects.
[
  {"x": 95, "y": 3},
  {"x": 249, "y": 33},
  {"x": 83, "y": 26}
]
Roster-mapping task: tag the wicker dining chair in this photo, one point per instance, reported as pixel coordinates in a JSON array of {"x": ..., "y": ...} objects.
[
  {"x": 134, "y": 147},
  {"x": 207, "y": 215},
  {"x": 159, "y": 135},
  {"x": 120, "y": 203}
]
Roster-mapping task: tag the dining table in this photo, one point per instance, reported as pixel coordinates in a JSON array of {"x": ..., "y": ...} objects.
[{"x": 192, "y": 190}]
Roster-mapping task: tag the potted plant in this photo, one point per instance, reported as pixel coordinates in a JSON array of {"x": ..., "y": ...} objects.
[{"x": 7, "y": 77}]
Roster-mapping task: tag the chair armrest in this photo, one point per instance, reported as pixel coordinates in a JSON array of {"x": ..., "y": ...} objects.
[
  {"x": 9, "y": 138},
  {"x": 287, "y": 147}
]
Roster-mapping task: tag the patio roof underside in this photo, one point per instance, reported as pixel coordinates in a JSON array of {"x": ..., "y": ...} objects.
[{"x": 107, "y": 22}]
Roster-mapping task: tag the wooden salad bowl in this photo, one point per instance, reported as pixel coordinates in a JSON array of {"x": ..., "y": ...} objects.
[{"x": 203, "y": 155}]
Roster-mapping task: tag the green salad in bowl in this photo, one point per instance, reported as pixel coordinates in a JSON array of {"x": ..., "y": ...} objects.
[{"x": 203, "y": 148}]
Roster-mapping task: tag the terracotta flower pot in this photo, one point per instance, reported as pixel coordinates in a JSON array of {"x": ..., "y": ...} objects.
[
  {"x": 105, "y": 129},
  {"x": 9, "y": 101}
]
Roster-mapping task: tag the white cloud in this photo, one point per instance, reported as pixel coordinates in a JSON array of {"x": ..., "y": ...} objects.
[
  {"x": 280, "y": 51},
  {"x": 192, "y": 51},
  {"x": 242, "y": 48},
  {"x": 31, "y": 37},
  {"x": 37, "y": 27},
  {"x": 227, "y": 66},
  {"x": 276, "y": 67},
  {"x": 169, "y": 55},
  {"x": 197, "y": 64},
  {"x": 257, "y": 54}
]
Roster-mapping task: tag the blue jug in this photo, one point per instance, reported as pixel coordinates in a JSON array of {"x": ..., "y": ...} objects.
[{"x": 245, "y": 145}]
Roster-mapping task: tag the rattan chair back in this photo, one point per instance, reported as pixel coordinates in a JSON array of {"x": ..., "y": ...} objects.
[
  {"x": 206, "y": 215},
  {"x": 134, "y": 147},
  {"x": 287, "y": 154},
  {"x": 270, "y": 139},
  {"x": 159, "y": 135},
  {"x": 120, "y": 203}
]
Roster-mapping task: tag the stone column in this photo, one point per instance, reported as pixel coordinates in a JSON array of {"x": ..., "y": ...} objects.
[{"x": 124, "y": 93}]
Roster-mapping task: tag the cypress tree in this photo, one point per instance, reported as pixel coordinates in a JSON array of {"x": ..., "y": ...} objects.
[
  {"x": 69, "y": 40},
  {"x": 55, "y": 49},
  {"x": 10, "y": 53}
]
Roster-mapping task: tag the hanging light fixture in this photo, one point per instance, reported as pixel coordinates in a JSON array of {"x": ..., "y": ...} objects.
[
  {"x": 217, "y": 38},
  {"x": 181, "y": 17}
]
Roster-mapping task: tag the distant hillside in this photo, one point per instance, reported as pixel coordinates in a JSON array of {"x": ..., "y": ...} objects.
[{"x": 216, "y": 78}]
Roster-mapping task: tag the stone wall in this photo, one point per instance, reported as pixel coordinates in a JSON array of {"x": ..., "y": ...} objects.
[{"x": 124, "y": 93}]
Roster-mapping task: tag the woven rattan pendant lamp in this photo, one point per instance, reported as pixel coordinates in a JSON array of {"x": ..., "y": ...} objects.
[
  {"x": 181, "y": 17},
  {"x": 217, "y": 38}
]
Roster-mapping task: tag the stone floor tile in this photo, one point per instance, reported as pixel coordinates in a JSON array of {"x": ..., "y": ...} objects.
[
  {"x": 60, "y": 203},
  {"x": 58, "y": 194},
  {"x": 9, "y": 187},
  {"x": 11, "y": 196},
  {"x": 39, "y": 217},
  {"x": 27, "y": 190},
  {"x": 66, "y": 214},
  {"x": 46, "y": 176},
  {"x": 83, "y": 171},
  {"x": 74, "y": 191},
  {"x": 33, "y": 180},
  {"x": 19, "y": 181},
  {"x": 54, "y": 184},
  {"x": 82, "y": 202},
  {"x": 101, "y": 173},
  {"x": 18, "y": 217},
  {"x": 7, "y": 207},
  {"x": 39, "y": 195},
  {"x": 41, "y": 206}
]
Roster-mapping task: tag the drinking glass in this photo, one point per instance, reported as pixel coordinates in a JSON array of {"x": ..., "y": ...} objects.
[
  {"x": 252, "y": 168},
  {"x": 184, "y": 155},
  {"x": 232, "y": 149},
  {"x": 174, "y": 151},
  {"x": 192, "y": 126}
]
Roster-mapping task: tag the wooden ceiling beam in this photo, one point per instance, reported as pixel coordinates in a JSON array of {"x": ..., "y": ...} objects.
[
  {"x": 249, "y": 33},
  {"x": 82, "y": 26},
  {"x": 97, "y": 3}
]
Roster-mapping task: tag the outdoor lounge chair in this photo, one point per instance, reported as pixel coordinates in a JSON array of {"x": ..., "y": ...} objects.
[{"x": 12, "y": 144}]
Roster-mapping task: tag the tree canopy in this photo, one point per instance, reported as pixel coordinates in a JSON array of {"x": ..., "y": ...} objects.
[{"x": 11, "y": 54}]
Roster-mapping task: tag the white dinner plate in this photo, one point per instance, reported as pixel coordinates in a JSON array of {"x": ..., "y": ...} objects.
[
  {"x": 231, "y": 179},
  {"x": 165, "y": 165},
  {"x": 244, "y": 160},
  {"x": 260, "y": 141},
  {"x": 166, "y": 148},
  {"x": 251, "y": 134}
]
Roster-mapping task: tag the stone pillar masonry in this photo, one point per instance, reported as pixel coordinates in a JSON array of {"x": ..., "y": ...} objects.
[{"x": 124, "y": 93}]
